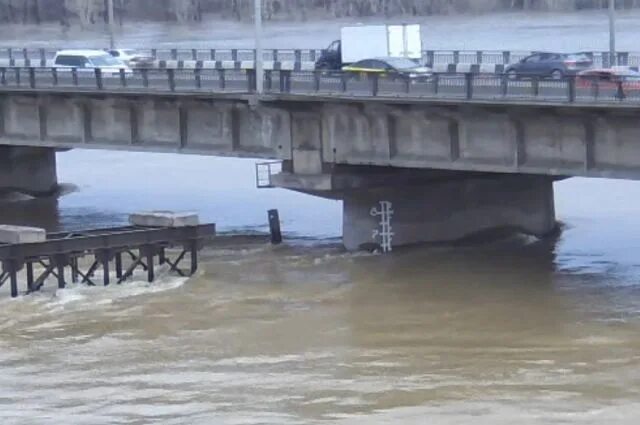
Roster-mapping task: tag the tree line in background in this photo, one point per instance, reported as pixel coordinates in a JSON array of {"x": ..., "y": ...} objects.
[{"x": 88, "y": 12}]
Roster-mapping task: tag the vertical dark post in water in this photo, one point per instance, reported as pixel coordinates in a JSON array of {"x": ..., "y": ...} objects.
[
  {"x": 60, "y": 262},
  {"x": 29, "y": 276},
  {"x": 119, "y": 266},
  {"x": 105, "y": 266},
  {"x": 10, "y": 267},
  {"x": 194, "y": 256},
  {"x": 274, "y": 227},
  {"x": 73, "y": 261},
  {"x": 148, "y": 251}
]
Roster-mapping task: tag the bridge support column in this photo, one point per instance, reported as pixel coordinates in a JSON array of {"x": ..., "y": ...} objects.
[
  {"x": 448, "y": 210},
  {"x": 28, "y": 169}
]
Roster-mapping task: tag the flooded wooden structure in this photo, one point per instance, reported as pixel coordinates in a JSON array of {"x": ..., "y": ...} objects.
[{"x": 77, "y": 256}]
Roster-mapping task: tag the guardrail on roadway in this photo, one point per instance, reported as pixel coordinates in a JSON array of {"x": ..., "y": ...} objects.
[
  {"x": 43, "y": 56},
  {"x": 459, "y": 87}
]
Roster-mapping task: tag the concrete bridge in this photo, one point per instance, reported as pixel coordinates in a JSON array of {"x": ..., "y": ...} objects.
[{"x": 433, "y": 160}]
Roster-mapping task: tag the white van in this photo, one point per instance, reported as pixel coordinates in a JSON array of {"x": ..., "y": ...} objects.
[{"x": 89, "y": 59}]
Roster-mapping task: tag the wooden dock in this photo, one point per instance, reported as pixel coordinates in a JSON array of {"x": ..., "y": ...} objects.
[{"x": 122, "y": 249}]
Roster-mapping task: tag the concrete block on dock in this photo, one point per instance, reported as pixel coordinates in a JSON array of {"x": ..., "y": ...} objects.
[
  {"x": 20, "y": 234},
  {"x": 164, "y": 219}
]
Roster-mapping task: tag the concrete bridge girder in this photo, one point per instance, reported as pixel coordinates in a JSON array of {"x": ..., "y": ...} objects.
[
  {"x": 506, "y": 139},
  {"x": 224, "y": 128}
]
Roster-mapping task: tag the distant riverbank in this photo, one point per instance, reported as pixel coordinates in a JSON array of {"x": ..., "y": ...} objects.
[{"x": 586, "y": 30}]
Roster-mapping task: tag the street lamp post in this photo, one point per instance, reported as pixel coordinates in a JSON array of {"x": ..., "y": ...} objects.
[
  {"x": 111, "y": 24},
  {"x": 259, "y": 56},
  {"x": 612, "y": 32}
]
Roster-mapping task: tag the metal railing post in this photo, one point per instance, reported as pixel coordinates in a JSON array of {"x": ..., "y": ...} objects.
[
  {"x": 32, "y": 77},
  {"x": 623, "y": 58},
  {"x": 620, "y": 91},
  {"x": 504, "y": 85},
  {"x": 43, "y": 57},
  {"x": 535, "y": 86},
  {"x": 479, "y": 56},
  {"x": 285, "y": 81},
  {"x": 268, "y": 79},
  {"x": 222, "y": 79},
  {"x": 234, "y": 55},
  {"x": 251, "y": 80},
  {"x": 174, "y": 54},
  {"x": 25, "y": 54},
  {"x": 3, "y": 76},
  {"x": 406, "y": 84},
  {"x": 18, "y": 76},
  {"x": 297, "y": 59},
  {"x": 571, "y": 87},
  {"x": 54, "y": 76},
  {"x": 316, "y": 80},
  {"x": 468, "y": 80},
  {"x": 123, "y": 78},
  {"x": 171, "y": 77},
  {"x": 145, "y": 78},
  {"x": 595, "y": 89},
  {"x": 98, "y": 74},
  {"x": 456, "y": 57},
  {"x": 431, "y": 58},
  {"x": 198, "y": 72},
  {"x": 74, "y": 76},
  {"x": 343, "y": 82},
  {"x": 212, "y": 54},
  {"x": 506, "y": 57},
  {"x": 375, "y": 84},
  {"x": 436, "y": 84},
  {"x": 154, "y": 53},
  {"x": 274, "y": 55},
  {"x": 194, "y": 54}
]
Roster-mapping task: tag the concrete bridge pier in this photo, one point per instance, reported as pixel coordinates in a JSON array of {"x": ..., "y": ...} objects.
[
  {"x": 386, "y": 207},
  {"x": 449, "y": 210},
  {"x": 30, "y": 170}
]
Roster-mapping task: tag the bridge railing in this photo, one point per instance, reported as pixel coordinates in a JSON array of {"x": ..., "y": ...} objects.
[
  {"x": 43, "y": 57},
  {"x": 147, "y": 80},
  {"x": 455, "y": 86},
  {"x": 461, "y": 86}
]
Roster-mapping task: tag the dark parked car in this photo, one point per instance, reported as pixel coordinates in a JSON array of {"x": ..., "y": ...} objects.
[
  {"x": 389, "y": 67},
  {"x": 550, "y": 65}
]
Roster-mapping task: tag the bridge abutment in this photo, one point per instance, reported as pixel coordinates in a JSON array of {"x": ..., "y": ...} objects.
[
  {"x": 445, "y": 211},
  {"x": 29, "y": 170}
]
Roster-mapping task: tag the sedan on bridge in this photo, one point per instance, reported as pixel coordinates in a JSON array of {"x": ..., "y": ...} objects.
[
  {"x": 619, "y": 80},
  {"x": 392, "y": 67},
  {"x": 549, "y": 65},
  {"x": 133, "y": 58}
]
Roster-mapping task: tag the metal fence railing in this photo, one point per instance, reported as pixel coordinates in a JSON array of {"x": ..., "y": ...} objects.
[
  {"x": 41, "y": 56},
  {"x": 454, "y": 86}
]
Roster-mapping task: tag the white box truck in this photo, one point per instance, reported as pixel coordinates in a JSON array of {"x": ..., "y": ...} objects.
[{"x": 372, "y": 41}]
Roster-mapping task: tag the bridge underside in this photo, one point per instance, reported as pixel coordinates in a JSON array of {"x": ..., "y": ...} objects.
[{"x": 438, "y": 171}]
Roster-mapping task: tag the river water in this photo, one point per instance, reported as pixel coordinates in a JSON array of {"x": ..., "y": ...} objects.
[{"x": 488, "y": 332}]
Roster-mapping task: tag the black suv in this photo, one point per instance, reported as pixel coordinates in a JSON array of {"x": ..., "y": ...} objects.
[{"x": 550, "y": 65}]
